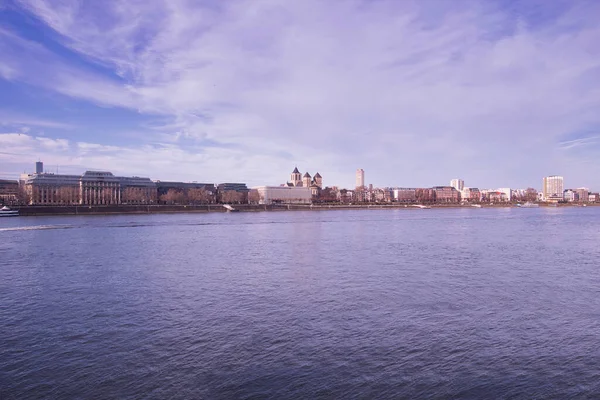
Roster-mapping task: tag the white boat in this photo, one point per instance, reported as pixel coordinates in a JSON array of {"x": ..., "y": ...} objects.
[
  {"x": 7, "y": 212},
  {"x": 476, "y": 205},
  {"x": 420, "y": 206},
  {"x": 529, "y": 205}
]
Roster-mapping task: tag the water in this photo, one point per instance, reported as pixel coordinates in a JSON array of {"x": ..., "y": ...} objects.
[{"x": 461, "y": 303}]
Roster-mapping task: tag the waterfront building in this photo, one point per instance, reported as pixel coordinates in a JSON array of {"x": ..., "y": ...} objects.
[
  {"x": 52, "y": 189},
  {"x": 404, "y": 195},
  {"x": 446, "y": 194},
  {"x": 360, "y": 178},
  {"x": 100, "y": 188},
  {"x": 91, "y": 188},
  {"x": 136, "y": 190},
  {"x": 569, "y": 195},
  {"x": 583, "y": 194},
  {"x": 284, "y": 194},
  {"x": 474, "y": 195},
  {"x": 593, "y": 197},
  {"x": 9, "y": 191},
  {"x": 553, "y": 188},
  {"x": 425, "y": 195},
  {"x": 297, "y": 180},
  {"x": 39, "y": 167},
  {"x": 457, "y": 184},
  {"x": 507, "y": 193}
]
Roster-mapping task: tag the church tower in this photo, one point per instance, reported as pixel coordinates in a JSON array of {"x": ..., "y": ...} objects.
[
  {"x": 296, "y": 177},
  {"x": 318, "y": 180},
  {"x": 306, "y": 180}
]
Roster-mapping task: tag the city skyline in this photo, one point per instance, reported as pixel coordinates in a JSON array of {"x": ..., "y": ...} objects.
[{"x": 496, "y": 93}]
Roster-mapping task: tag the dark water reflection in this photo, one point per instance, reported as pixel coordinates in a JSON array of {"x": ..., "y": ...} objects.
[{"x": 461, "y": 303}]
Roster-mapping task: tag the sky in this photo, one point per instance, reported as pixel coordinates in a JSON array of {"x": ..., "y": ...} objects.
[{"x": 498, "y": 93}]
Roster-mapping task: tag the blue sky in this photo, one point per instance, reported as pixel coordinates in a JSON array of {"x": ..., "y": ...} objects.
[{"x": 499, "y": 93}]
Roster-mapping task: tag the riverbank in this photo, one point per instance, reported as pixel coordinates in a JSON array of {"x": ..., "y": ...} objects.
[{"x": 158, "y": 209}]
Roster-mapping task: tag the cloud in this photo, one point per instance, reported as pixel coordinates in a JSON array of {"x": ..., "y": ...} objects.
[{"x": 414, "y": 92}]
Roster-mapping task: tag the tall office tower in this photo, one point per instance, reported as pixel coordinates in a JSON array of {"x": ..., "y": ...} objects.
[
  {"x": 553, "y": 187},
  {"x": 39, "y": 167},
  {"x": 360, "y": 177},
  {"x": 457, "y": 184}
]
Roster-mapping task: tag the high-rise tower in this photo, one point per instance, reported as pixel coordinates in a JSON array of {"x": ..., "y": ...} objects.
[{"x": 360, "y": 178}]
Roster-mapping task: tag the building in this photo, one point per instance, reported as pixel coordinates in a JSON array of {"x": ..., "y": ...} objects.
[
  {"x": 284, "y": 194},
  {"x": 136, "y": 190},
  {"x": 507, "y": 193},
  {"x": 49, "y": 189},
  {"x": 297, "y": 180},
  {"x": 446, "y": 194},
  {"x": 9, "y": 192},
  {"x": 404, "y": 195},
  {"x": 593, "y": 197},
  {"x": 91, "y": 188},
  {"x": 553, "y": 188},
  {"x": 39, "y": 167},
  {"x": 474, "y": 195},
  {"x": 360, "y": 178},
  {"x": 569, "y": 195},
  {"x": 457, "y": 184},
  {"x": 583, "y": 195},
  {"x": 100, "y": 188}
]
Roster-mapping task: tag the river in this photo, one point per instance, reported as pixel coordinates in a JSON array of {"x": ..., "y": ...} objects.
[{"x": 440, "y": 303}]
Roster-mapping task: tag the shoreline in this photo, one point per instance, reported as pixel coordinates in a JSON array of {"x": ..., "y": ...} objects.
[{"x": 26, "y": 211}]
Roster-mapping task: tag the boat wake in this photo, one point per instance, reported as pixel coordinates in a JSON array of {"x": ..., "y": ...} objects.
[{"x": 35, "y": 228}]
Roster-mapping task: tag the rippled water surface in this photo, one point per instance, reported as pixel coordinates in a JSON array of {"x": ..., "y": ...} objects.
[{"x": 461, "y": 303}]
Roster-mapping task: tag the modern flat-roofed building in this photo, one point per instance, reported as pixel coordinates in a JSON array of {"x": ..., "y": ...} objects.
[
  {"x": 553, "y": 188},
  {"x": 360, "y": 178},
  {"x": 91, "y": 188},
  {"x": 405, "y": 195},
  {"x": 457, "y": 184},
  {"x": 284, "y": 195},
  {"x": 446, "y": 194},
  {"x": 9, "y": 191}
]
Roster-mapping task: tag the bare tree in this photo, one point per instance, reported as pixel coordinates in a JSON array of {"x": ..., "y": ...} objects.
[
  {"x": 174, "y": 196},
  {"x": 253, "y": 197},
  {"x": 231, "y": 196},
  {"x": 199, "y": 196}
]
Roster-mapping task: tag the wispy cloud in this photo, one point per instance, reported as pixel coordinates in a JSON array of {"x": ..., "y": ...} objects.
[{"x": 414, "y": 92}]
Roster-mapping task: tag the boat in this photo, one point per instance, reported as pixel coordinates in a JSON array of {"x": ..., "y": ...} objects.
[
  {"x": 528, "y": 205},
  {"x": 476, "y": 205},
  {"x": 7, "y": 212},
  {"x": 229, "y": 208},
  {"x": 420, "y": 206}
]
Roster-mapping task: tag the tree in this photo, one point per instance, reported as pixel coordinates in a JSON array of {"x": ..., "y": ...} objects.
[
  {"x": 232, "y": 196},
  {"x": 253, "y": 197},
  {"x": 328, "y": 195},
  {"x": 531, "y": 194},
  {"x": 199, "y": 196},
  {"x": 174, "y": 196},
  {"x": 23, "y": 196}
]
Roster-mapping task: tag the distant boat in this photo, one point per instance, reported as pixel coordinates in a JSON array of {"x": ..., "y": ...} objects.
[
  {"x": 528, "y": 205},
  {"x": 7, "y": 212},
  {"x": 420, "y": 206},
  {"x": 476, "y": 205},
  {"x": 229, "y": 208}
]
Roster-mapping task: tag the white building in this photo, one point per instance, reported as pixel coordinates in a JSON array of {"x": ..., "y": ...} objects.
[
  {"x": 569, "y": 195},
  {"x": 553, "y": 187},
  {"x": 284, "y": 195},
  {"x": 457, "y": 184},
  {"x": 507, "y": 192},
  {"x": 360, "y": 178}
]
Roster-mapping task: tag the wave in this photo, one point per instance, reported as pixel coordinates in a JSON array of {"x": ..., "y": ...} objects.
[{"x": 35, "y": 228}]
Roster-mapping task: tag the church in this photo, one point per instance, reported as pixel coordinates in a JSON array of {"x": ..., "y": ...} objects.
[{"x": 297, "y": 180}]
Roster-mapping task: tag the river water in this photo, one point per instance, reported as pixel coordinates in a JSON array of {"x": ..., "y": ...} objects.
[{"x": 452, "y": 303}]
